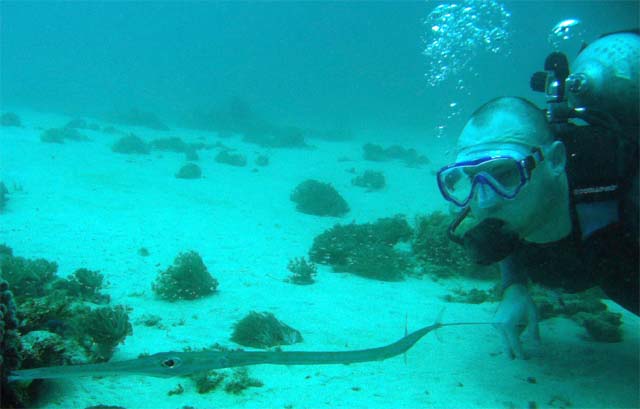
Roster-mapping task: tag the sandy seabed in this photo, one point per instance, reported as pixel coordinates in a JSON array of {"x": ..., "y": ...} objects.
[{"x": 81, "y": 205}]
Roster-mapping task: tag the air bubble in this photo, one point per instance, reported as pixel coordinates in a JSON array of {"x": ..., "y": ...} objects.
[
  {"x": 457, "y": 33},
  {"x": 564, "y": 31}
]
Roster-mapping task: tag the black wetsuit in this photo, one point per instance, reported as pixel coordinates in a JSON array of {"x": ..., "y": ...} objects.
[{"x": 609, "y": 256}]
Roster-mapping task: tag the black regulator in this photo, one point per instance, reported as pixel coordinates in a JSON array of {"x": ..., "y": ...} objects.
[{"x": 552, "y": 81}]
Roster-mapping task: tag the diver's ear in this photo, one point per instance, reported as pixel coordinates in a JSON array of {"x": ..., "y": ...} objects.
[{"x": 556, "y": 156}]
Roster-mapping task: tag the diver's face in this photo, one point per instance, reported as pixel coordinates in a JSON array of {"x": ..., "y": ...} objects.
[
  {"x": 522, "y": 211},
  {"x": 486, "y": 202}
]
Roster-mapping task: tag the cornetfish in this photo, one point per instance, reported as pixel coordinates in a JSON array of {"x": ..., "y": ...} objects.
[{"x": 169, "y": 364}]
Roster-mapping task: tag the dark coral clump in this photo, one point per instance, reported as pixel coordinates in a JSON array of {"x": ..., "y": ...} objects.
[
  {"x": 85, "y": 284},
  {"x": 370, "y": 179},
  {"x": 585, "y": 308},
  {"x": 4, "y": 192},
  {"x": 88, "y": 283},
  {"x": 229, "y": 158},
  {"x": 52, "y": 316},
  {"x": 376, "y": 261},
  {"x": 136, "y": 117},
  {"x": 10, "y": 119},
  {"x": 97, "y": 331},
  {"x": 43, "y": 348},
  {"x": 365, "y": 249},
  {"x": 602, "y": 327},
  {"x": 263, "y": 330},
  {"x": 111, "y": 130},
  {"x": 237, "y": 117},
  {"x": 176, "y": 144},
  {"x": 80, "y": 123},
  {"x": 302, "y": 271},
  {"x": 10, "y": 346},
  {"x": 131, "y": 144},
  {"x": 5, "y": 252},
  {"x": 28, "y": 278},
  {"x": 377, "y": 153},
  {"x": 439, "y": 255},
  {"x": 276, "y": 136},
  {"x": 234, "y": 116},
  {"x": 51, "y": 311},
  {"x": 262, "y": 160},
  {"x": 173, "y": 144},
  {"x": 77, "y": 123},
  {"x": 59, "y": 135},
  {"x": 552, "y": 304},
  {"x": 208, "y": 382},
  {"x": 390, "y": 230},
  {"x": 374, "y": 152},
  {"x": 52, "y": 136},
  {"x": 241, "y": 381},
  {"x": 104, "y": 328},
  {"x": 319, "y": 199},
  {"x": 189, "y": 171},
  {"x": 337, "y": 244},
  {"x": 474, "y": 296},
  {"x": 187, "y": 279}
]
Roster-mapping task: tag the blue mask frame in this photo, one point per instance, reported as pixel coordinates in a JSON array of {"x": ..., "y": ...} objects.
[{"x": 525, "y": 166}]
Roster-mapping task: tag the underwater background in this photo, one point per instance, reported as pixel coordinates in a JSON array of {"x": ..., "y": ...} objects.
[
  {"x": 337, "y": 65},
  {"x": 170, "y": 171}
]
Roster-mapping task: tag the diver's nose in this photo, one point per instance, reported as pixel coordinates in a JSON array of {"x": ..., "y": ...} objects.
[{"x": 485, "y": 196}]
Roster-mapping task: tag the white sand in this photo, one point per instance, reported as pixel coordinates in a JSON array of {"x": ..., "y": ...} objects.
[{"x": 82, "y": 205}]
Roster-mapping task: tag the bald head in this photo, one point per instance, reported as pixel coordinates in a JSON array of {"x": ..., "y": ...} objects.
[{"x": 511, "y": 120}]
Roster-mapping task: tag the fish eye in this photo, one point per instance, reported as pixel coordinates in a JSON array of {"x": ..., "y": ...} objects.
[{"x": 171, "y": 362}]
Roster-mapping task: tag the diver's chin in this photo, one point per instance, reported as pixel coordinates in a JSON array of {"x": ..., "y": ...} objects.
[{"x": 490, "y": 241}]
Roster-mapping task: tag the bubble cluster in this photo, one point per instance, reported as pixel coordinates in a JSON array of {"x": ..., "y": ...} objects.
[
  {"x": 457, "y": 32},
  {"x": 564, "y": 31}
]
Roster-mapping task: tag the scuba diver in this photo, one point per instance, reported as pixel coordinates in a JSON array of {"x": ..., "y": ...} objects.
[{"x": 554, "y": 193}]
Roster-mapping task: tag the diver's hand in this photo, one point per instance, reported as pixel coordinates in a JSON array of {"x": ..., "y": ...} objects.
[{"x": 516, "y": 311}]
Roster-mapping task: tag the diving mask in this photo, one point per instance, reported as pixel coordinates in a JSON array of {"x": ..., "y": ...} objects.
[{"x": 506, "y": 175}]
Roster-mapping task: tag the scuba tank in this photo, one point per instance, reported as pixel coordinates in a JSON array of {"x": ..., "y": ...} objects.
[
  {"x": 602, "y": 87},
  {"x": 605, "y": 77}
]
